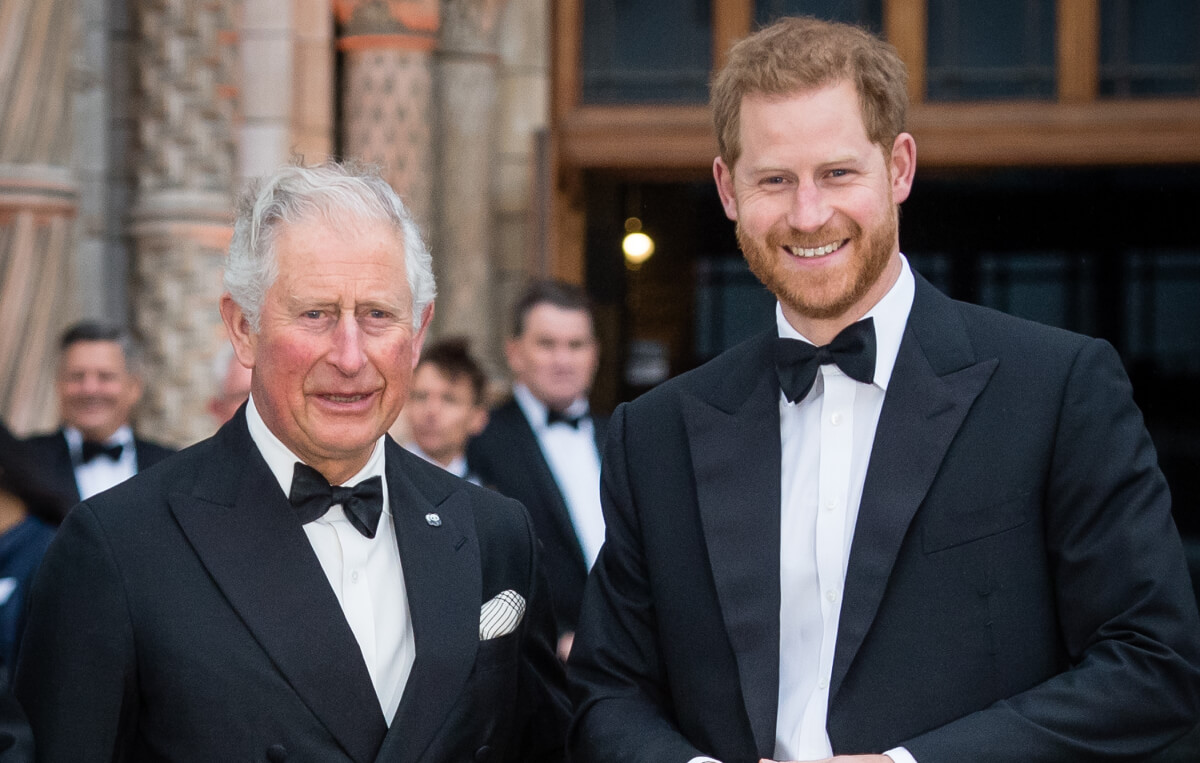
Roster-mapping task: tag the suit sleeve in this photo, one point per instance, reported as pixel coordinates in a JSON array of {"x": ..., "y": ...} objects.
[
  {"x": 616, "y": 675},
  {"x": 543, "y": 686},
  {"x": 75, "y": 678},
  {"x": 1126, "y": 610}
]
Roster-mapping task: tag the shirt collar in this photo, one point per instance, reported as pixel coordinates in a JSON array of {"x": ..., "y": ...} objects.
[
  {"x": 535, "y": 410},
  {"x": 890, "y": 314},
  {"x": 282, "y": 461},
  {"x": 457, "y": 467}
]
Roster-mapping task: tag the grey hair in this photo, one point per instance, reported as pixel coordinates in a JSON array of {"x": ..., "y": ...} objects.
[{"x": 330, "y": 190}]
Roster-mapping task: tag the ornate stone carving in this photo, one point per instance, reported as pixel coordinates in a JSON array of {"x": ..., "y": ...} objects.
[{"x": 181, "y": 221}]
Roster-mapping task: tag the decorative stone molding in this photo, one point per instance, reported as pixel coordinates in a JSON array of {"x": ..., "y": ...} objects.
[
  {"x": 39, "y": 199},
  {"x": 387, "y": 92}
]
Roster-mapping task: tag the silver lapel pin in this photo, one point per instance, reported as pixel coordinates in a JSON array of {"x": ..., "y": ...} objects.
[{"x": 433, "y": 519}]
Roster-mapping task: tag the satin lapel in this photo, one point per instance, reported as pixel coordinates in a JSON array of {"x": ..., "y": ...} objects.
[
  {"x": 444, "y": 582},
  {"x": 935, "y": 381},
  {"x": 248, "y": 538},
  {"x": 64, "y": 469},
  {"x": 733, "y": 432},
  {"x": 526, "y": 443}
]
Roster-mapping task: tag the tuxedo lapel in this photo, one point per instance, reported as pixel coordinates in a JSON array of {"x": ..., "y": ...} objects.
[
  {"x": 733, "y": 431},
  {"x": 439, "y": 552},
  {"x": 63, "y": 469},
  {"x": 934, "y": 383},
  {"x": 526, "y": 443},
  {"x": 251, "y": 542}
]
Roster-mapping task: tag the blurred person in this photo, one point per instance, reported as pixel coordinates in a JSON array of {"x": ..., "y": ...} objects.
[
  {"x": 98, "y": 384},
  {"x": 893, "y": 527},
  {"x": 299, "y": 586},
  {"x": 446, "y": 406},
  {"x": 543, "y": 446},
  {"x": 233, "y": 385},
  {"x": 29, "y": 511}
]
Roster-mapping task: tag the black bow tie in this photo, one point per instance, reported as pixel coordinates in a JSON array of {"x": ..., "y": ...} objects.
[
  {"x": 558, "y": 417},
  {"x": 312, "y": 496},
  {"x": 853, "y": 351},
  {"x": 93, "y": 450}
]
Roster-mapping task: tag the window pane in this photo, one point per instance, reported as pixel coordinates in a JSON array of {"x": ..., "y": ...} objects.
[
  {"x": 646, "y": 52},
  {"x": 866, "y": 13},
  {"x": 987, "y": 51},
  {"x": 1149, "y": 48}
]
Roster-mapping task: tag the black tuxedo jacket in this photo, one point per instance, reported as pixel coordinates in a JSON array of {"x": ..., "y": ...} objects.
[
  {"x": 183, "y": 616},
  {"x": 51, "y": 452},
  {"x": 508, "y": 458},
  {"x": 1016, "y": 588}
]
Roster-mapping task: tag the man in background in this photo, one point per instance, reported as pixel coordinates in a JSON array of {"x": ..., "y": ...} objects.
[
  {"x": 233, "y": 385},
  {"x": 98, "y": 384},
  {"x": 542, "y": 447},
  {"x": 446, "y": 406}
]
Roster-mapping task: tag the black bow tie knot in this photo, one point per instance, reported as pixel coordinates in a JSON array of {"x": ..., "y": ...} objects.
[
  {"x": 93, "y": 450},
  {"x": 312, "y": 495},
  {"x": 852, "y": 350},
  {"x": 558, "y": 417}
]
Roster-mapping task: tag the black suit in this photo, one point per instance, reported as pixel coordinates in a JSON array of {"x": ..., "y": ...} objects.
[
  {"x": 183, "y": 615},
  {"x": 1016, "y": 589},
  {"x": 51, "y": 452},
  {"x": 507, "y": 458}
]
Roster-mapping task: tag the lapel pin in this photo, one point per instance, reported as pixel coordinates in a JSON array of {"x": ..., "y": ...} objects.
[{"x": 433, "y": 519}]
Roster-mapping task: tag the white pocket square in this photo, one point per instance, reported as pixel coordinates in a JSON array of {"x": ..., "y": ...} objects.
[{"x": 500, "y": 616}]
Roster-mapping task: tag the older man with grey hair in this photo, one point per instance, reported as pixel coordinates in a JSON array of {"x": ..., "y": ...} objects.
[{"x": 298, "y": 587}]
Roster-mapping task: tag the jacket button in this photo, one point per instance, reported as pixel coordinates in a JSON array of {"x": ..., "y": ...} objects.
[
  {"x": 483, "y": 754},
  {"x": 277, "y": 753}
]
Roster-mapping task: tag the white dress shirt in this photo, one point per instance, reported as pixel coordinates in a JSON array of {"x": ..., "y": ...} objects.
[
  {"x": 365, "y": 573},
  {"x": 826, "y": 443},
  {"x": 575, "y": 463},
  {"x": 457, "y": 467},
  {"x": 102, "y": 472}
]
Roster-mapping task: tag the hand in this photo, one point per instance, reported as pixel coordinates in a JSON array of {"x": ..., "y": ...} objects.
[{"x": 564, "y": 645}]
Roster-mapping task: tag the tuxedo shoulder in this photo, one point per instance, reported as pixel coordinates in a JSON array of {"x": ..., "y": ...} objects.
[
  {"x": 152, "y": 449},
  {"x": 138, "y": 496},
  {"x": 732, "y": 368},
  {"x": 993, "y": 330},
  {"x": 44, "y": 441}
]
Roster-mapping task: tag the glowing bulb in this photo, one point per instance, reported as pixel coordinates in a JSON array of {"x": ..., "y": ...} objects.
[{"x": 637, "y": 247}]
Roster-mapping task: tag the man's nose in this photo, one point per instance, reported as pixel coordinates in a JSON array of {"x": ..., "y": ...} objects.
[
  {"x": 810, "y": 209},
  {"x": 347, "y": 354}
]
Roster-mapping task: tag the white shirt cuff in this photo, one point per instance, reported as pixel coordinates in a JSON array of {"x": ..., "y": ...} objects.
[
  {"x": 703, "y": 760},
  {"x": 900, "y": 755}
]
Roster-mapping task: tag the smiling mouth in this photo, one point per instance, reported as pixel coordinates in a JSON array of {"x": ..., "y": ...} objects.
[
  {"x": 344, "y": 398},
  {"x": 820, "y": 251}
]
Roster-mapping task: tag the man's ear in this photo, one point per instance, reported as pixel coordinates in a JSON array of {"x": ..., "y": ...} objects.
[
  {"x": 723, "y": 175},
  {"x": 479, "y": 420},
  {"x": 419, "y": 339},
  {"x": 237, "y": 325},
  {"x": 903, "y": 166}
]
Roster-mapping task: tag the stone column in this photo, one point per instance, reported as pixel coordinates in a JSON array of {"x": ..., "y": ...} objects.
[
  {"x": 467, "y": 137},
  {"x": 183, "y": 213},
  {"x": 38, "y": 204},
  {"x": 387, "y": 89}
]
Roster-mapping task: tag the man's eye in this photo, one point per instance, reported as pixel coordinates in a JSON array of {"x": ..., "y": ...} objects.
[
  {"x": 312, "y": 314},
  {"x": 839, "y": 173}
]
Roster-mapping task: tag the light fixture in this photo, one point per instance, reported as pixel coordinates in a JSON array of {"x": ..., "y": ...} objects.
[{"x": 637, "y": 245}]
